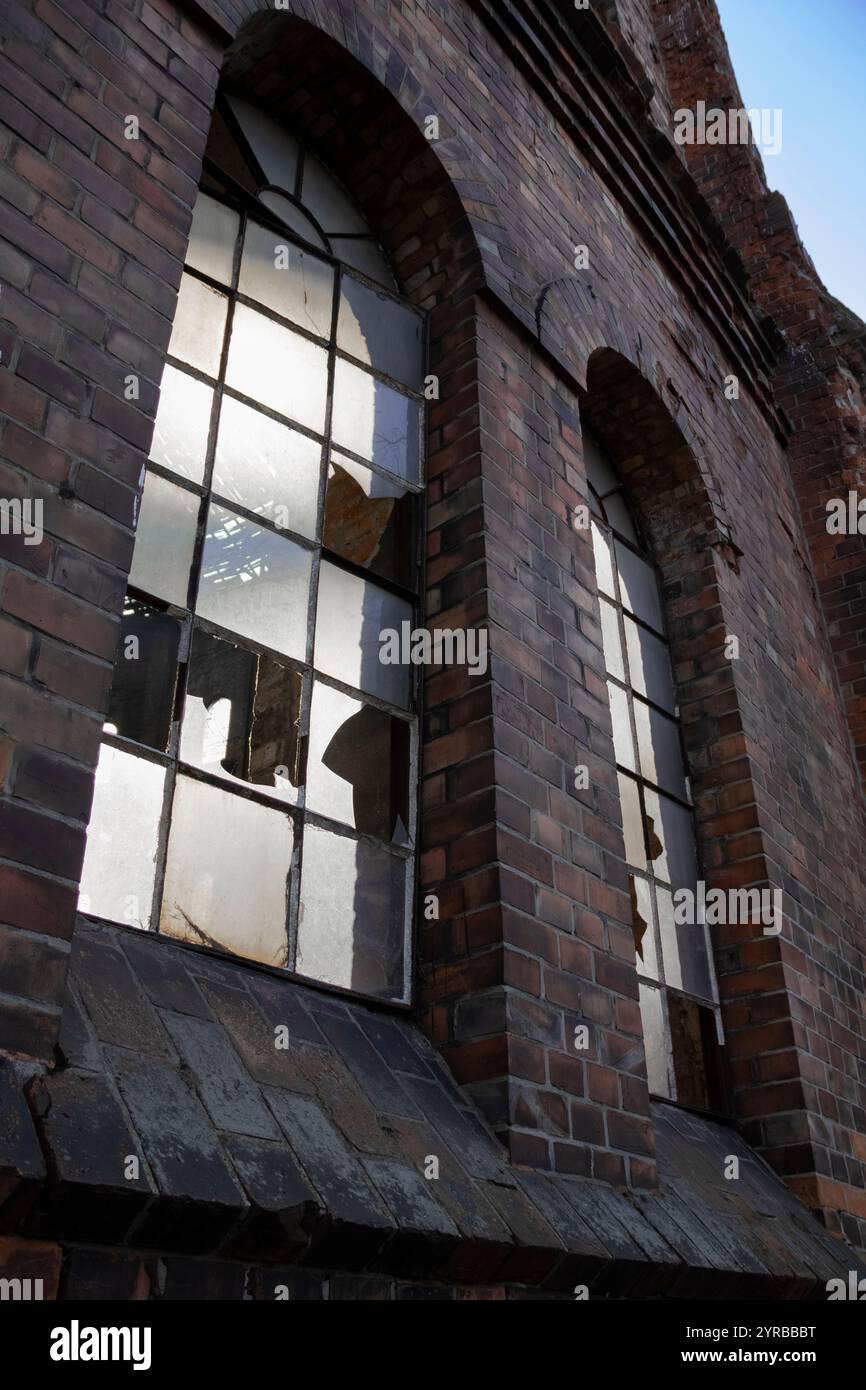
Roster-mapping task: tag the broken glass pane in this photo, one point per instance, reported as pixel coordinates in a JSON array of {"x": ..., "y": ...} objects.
[
  {"x": 661, "y": 757},
  {"x": 274, "y": 148},
  {"x": 611, "y": 640},
  {"x": 352, "y": 918},
  {"x": 119, "y": 873},
  {"x": 364, "y": 254},
  {"x": 212, "y": 239},
  {"x": 658, "y": 1063},
  {"x": 164, "y": 541},
  {"x": 284, "y": 371},
  {"x": 376, "y": 422},
  {"x": 182, "y": 424},
  {"x": 267, "y": 468},
  {"x": 358, "y": 766},
  {"x": 684, "y": 950},
  {"x": 632, "y": 822},
  {"x": 241, "y": 716},
  {"x": 255, "y": 583},
  {"x": 355, "y": 620},
  {"x": 643, "y": 927},
  {"x": 199, "y": 326},
  {"x": 671, "y": 838},
  {"x": 371, "y": 521},
  {"x": 287, "y": 280},
  {"x": 227, "y": 873},
  {"x": 145, "y": 673},
  {"x": 649, "y": 666},
  {"x": 639, "y": 588},
  {"x": 623, "y": 742},
  {"x": 291, "y": 214},
  {"x": 381, "y": 333}
]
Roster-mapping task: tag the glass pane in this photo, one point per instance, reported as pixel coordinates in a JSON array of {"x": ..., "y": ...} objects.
[
  {"x": 227, "y": 873},
  {"x": 639, "y": 588},
  {"x": 671, "y": 838},
  {"x": 290, "y": 282},
  {"x": 611, "y": 641},
  {"x": 274, "y": 148},
  {"x": 225, "y": 153},
  {"x": 595, "y": 505},
  {"x": 212, "y": 239},
  {"x": 649, "y": 666},
  {"x": 603, "y": 561},
  {"x": 241, "y": 716},
  {"x": 328, "y": 201},
  {"x": 352, "y": 918},
  {"x": 644, "y": 929},
  {"x": 182, "y": 424},
  {"x": 619, "y": 517},
  {"x": 164, "y": 541},
  {"x": 199, "y": 326},
  {"x": 661, "y": 757},
  {"x": 623, "y": 743},
  {"x": 119, "y": 873},
  {"x": 655, "y": 1042},
  {"x": 598, "y": 470},
  {"x": 632, "y": 823},
  {"x": 255, "y": 583},
  {"x": 267, "y": 468},
  {"x": 684, "y": 950},
  {"x": 354, "y": 617},
  {"x": 145, "y": 674},
  {"x": 377, "y": 422},
  {"x": 284, "y": 371},
  {"x": 291, "y": 214},
  {"x": 380, "y": 333},
  {"x": 371, "y": 521},
  {"x": 365, "y": 255},
  {"x": 358, "y": 767}
]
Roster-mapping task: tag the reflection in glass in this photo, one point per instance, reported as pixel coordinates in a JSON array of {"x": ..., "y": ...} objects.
[
  {"x": 117, "y": 881},
  {"x": 353, "y": 615},
  {"x": 241, "y": 716},
  {"x": 199, "y": 326},
  {"x": 381, "y": 333},
  {"x": 212, "y": 239},
  {"x": 164, "y": 541},
  {"x": 287, "y": 280},
  {"x": 181, "y": 432},
  {"x": 279, "y": 368},
  {"x": 376, "y": 422},
  {"x": 227, "y": 873},
  {"x": 358, "y": 766},
  {"x": 145, "y": 671},
  {"x": 370, "y": 521},
  {"x": 352, "y": 917},
  {"x": 267, "y": 468},
  {"x": 254, "y": 583}
]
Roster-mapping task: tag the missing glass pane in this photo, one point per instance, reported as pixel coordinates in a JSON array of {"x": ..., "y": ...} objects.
[
  {"x": 267, "y": 468},
  {"x": 287, "y": 280},
  {"x": 371, "y": 521},
  {"x": 241, "y": 717},
  {"x": 182, "y": 423},
  {"x": 279, "y": 368},
  {"x": 119, "y": 874},
  {"x": 381, "y": 333},
  {"x": 199, "y": 326},
  {"x": 141, "y": 704},
  {"x": 358, "y": 767},
  {"x": 227, "y": 873},
  {"x": 353, "y": 616},
  {"x": 696, "y": 1059},
  {"x": 254, "y": 583},
  {"x": 165, "y": 541},
  {"x": 377, "y": 422},
  {"x": 352, "y": 920}
]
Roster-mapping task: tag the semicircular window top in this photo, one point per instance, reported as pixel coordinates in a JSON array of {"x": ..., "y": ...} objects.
[
  {"x": 678, "y": 991},
  {"x": 257, "y": 785}
]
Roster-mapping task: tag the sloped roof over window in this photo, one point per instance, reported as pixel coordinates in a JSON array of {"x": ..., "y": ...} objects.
[{"x": 315, "y": 1154}]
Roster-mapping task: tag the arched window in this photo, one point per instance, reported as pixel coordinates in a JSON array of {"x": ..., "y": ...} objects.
[
  {"x": 256, "y": 789},
  {"x": 678, "y": 994}
]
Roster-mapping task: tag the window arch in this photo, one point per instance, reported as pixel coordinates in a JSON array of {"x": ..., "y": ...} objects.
[
  {"x": 256, "y": 789},
  {"x": 678, "y": 991}
]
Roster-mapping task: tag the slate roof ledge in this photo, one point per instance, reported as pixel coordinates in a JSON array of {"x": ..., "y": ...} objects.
[{"x": 174, "y": 1124}]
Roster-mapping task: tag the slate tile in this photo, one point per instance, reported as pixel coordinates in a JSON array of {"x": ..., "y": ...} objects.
[
  {"x": 537, "y": 1250},
  {"x": 284, "y": 1208},
  {"x": 231, "y": 1099},
  {"x": 586, "y": 1257},
  {"x": 161, "y": 971},
  {"x": 342, "y": 1098},
  {"x": 481, "y": 1156},
  {"x": 78, "y": 1041},
  {"x": 393, "y": 1042},
  {"x": 121, "y": 1013},
  {"x": 284, "y": 1003},
  {"x": 425, "y": 1232},
  {"x": 628, "y": 1267},
  {"x": 20, "y": 1155},
  {"x": 254, "y": 1039},
  {"x": 380, "y": 1085}
]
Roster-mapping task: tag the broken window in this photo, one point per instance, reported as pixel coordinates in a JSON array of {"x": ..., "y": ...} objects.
[
  {"x": 678, "y": 994},
  {"x": 256, "y": 790}
]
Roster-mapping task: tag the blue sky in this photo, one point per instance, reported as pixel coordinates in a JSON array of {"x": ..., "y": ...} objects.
[{"x": 809, "y": 58}]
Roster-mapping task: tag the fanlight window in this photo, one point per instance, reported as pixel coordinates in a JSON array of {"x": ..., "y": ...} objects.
[
  {"x": 256, "y": 790},
  {"x": 678, "y": 995}
]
